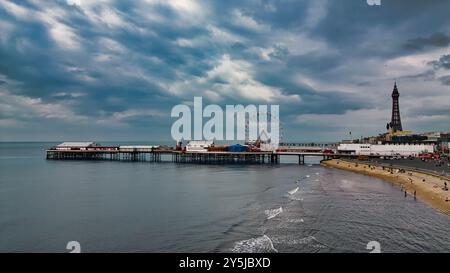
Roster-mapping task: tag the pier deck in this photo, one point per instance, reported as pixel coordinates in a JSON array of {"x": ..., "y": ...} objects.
[
  {"x": 211, "y": 157},
  {"x": 171, "y": 156}
]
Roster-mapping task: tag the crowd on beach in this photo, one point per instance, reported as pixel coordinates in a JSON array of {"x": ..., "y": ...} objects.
[{"x": 412, "y": 175}]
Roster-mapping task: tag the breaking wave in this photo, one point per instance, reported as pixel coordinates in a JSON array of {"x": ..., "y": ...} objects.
[
  {"x": 295, "y": 197},
  {"x": 310, "y": 241},
  {"x": 271, "y": 213},
  {"x": 293, "y": 191},
  {"x": 261, "y": 244},
  {"x": 295, "y": 220}
]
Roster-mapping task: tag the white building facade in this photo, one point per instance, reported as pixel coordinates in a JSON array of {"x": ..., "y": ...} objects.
[
  {"x": 82, "y": 146},
  {"x": 199, "y": 146},
  {"x": 137, "y": 148},
  {"x": 386, "y": 149}
]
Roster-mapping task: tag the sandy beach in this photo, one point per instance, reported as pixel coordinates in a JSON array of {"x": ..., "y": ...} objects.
[{"x": 428, "y": 187}]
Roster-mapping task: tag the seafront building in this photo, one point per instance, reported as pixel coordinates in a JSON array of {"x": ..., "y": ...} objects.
[
  {"x": 385, "y": 149},
  {"x": 79, "y": 145},
  {"x": 199, "y": 145},
  {"x": 397, "y": 141}
]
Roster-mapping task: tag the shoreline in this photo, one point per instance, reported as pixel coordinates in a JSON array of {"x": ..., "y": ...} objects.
[{"x": 428, "y": 187}]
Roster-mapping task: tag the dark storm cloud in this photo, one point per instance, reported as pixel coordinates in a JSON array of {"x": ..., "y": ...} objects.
[
  {"x": 435, "y": 111},
  {"x": 443, "y": 62},
  {"x": 128, "y": 63},
  {"x": 425, "y": 76},
  {"x": 435, "y": 40},
  {"x": 445, "y": 80},
  {"x": 365, "y": 30}
]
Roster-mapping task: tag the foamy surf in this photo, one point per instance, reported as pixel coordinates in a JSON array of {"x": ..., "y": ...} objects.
[
  {"x": 293, "y": 191},
  {"x": 306, "y": 176},
  {"x": 295, "y": 220},
  {"x": 271, "y": 213},
  {"x": 261, "y": 244},
  {"x": 310, "y": 241},
  {"x": 295, "y": 197}
]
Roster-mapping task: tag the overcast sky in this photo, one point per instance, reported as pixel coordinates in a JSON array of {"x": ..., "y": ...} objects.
[{"x": 113, "y": 70}]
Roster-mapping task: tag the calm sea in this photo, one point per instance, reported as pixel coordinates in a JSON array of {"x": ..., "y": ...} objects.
[{"x": 165, "y": 207}]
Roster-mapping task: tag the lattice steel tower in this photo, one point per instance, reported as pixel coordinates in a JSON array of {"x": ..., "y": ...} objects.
[{"x": 396, "y": 123}]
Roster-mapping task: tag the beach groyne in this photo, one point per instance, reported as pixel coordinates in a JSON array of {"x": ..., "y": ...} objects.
[{"x": 426, "y": 187}]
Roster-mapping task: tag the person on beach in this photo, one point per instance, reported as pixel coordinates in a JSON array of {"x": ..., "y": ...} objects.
[
  {"x": 405, "y": 193},
  {"x": 414, "y": 194}
]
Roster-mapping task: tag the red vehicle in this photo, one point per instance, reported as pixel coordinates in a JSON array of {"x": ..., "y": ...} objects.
[
  {"x": 328, "y": 151},
  {"x": 426, "y": 156}
]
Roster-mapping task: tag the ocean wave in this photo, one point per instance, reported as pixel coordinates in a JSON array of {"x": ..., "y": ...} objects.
[
  {"x": 300, "y": 179},
  {"x": 295, "y": 197},
  {"x": 261, "y": 244},
  {"x": 293, "y": 191},
  {"x": 309, "y": 241},
  {"x": 296, "y": 220},
  {"x": 271, "y": 213}
]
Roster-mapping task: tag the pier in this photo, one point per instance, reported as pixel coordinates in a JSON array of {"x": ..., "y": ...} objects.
[
  {"x": 226, "y": 157},
  {"x": 91, "y": 151},
  {"x": 113, "y": 155},
  {"x": 167, "y": 156}
]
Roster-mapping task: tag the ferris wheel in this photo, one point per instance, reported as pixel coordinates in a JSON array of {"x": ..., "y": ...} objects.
[{"x": 262, "y": 133}]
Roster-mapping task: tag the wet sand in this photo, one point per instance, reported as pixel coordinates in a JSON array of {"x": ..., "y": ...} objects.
[{"x": 428, "y": 187}]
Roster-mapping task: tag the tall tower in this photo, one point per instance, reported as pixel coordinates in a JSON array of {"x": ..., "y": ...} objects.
[{"x": 396, "y": 123}]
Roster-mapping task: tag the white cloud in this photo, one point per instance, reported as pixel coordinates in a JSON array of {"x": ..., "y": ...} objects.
[
  {"x": 23, "y": 107},
  {"x": 185, "y": 6},
  {"x": 223, "y": 36},
  {"x": 246, "y": 21},
  {"x": 7, "y": 30},
  {"x": 359, "y": 122},
  {"x": 189, "y": 12},
  {"x": 112, "y": 45},
  {"x": 317, "y": 11},
  {"x": 120, "y": 118},
  {"x": 51, "y": 16},
  {"x": 16, "y": 10},
  {"x": 184, "y": 42},
  {"x": 64, "y": 35},
  {"x": 69, "y": 94},
  {"x": 301, "y": 43},
  {"x": 8, "y": 123},
  {"x": 235, "y": 79}
]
